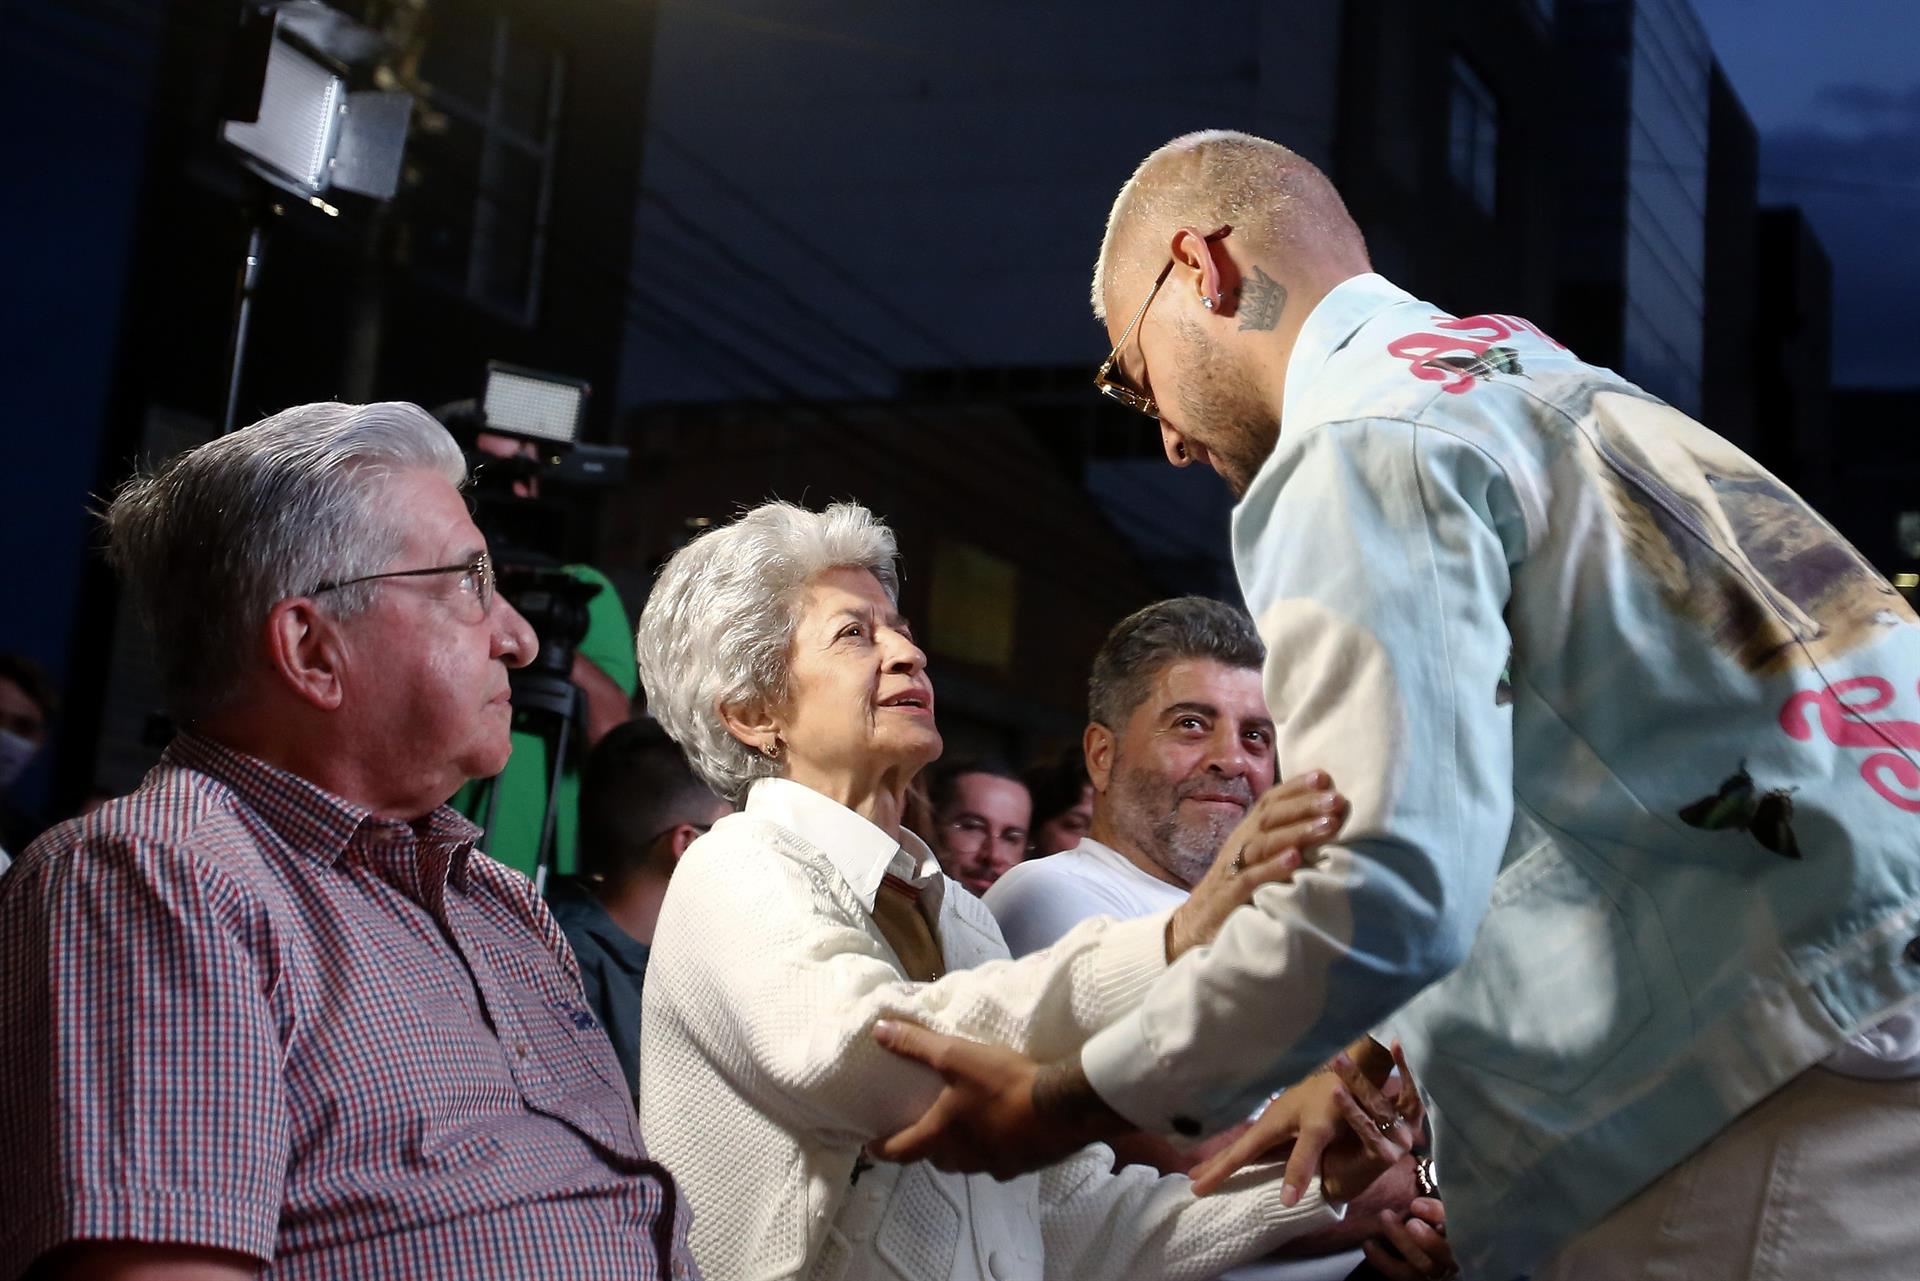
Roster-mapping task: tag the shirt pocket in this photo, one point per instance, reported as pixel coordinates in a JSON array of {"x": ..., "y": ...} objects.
[
  {"x": 573, "y": 1049},
  {"x": 1553, "y": 989}
]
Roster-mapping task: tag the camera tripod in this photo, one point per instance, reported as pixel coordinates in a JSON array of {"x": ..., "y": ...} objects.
[{"x": 555, "y": 708}]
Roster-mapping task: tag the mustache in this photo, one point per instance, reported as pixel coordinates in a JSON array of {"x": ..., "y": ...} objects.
[{"x": 1237, "y": 789}]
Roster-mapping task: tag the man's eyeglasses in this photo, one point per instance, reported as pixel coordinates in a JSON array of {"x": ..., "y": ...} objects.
[
  {"x": 1105, "y": 380},
  {"x": 476, "y": 576},
  {"x": 977, "y": 832}
]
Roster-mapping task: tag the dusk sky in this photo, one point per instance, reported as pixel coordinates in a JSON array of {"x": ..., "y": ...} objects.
[{"x": 1834, "y": 88}]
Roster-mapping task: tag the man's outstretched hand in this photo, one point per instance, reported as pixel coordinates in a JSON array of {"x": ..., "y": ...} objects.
[{"x": 1000, "y": 1113}]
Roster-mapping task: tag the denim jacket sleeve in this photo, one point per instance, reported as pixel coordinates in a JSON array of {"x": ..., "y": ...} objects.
[{"x": 1375, "y": 558}]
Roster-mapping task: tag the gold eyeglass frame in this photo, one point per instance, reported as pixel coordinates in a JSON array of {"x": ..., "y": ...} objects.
[{"x": 1103, "y": 380}]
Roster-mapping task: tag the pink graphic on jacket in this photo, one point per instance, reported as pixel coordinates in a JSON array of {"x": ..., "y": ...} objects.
[
  {"x": 1465, "y": 352},
  {"x": 1841, "y": 710}
]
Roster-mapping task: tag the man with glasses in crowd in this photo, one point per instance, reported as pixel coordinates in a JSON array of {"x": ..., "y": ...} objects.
[
  {"x": 274, "y": 1009},
  {"x": 1633, "y": 751},
  {"x": 640, "y": 808},
  {"x": 981, "y": 812}
]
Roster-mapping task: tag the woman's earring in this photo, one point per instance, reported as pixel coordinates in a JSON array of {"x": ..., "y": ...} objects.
[{"x": 771, "y": 750}]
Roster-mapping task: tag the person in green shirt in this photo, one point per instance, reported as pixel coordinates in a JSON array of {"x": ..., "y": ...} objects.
[{"x": 603, "y": 668}]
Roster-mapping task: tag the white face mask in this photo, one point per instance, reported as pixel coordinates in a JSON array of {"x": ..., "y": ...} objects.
[{"x": 15, "y": 752}]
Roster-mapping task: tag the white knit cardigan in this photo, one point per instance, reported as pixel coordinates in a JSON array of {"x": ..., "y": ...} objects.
[{"x": 760, "y": 1082}]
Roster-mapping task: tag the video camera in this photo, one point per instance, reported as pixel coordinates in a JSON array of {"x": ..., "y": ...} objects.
[
  {"x": 554, "y": 603},
  {"x": 534, "y": 491}
]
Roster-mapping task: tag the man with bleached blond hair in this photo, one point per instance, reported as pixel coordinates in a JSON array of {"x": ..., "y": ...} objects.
[{"x": 1633, "y": 750}]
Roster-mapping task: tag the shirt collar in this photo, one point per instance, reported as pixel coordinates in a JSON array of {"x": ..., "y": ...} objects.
[
  {"x": 1107, "y": 854},
  {"x": 1333, "y": 320},
  {"x": 858, "y": 850},
  {"x": 1088, "y": 845},
  {"x": 309, "y": 818}
]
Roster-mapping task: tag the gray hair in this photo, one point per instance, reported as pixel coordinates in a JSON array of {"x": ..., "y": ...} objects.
[
  {"x": 212, "y": 539},
  {"x": 717, "y": 628},
  {"x": 1168, "y": 631}
]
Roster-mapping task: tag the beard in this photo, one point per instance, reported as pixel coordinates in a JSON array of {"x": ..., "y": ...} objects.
[
  {"x": 1184, "y": 844},
  {"x": 1222, "y": 409}
]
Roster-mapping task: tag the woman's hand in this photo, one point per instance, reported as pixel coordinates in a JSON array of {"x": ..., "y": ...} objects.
[
  {"x": 1377, "y": 1137},
  {"x": 1271, "y": 843}
]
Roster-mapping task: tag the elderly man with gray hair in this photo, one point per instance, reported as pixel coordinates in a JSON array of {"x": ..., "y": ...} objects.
[{"x": 273, "y": 1011}]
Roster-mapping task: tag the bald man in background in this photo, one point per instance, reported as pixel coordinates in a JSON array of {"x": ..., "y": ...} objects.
[{"x": 1630, "y": 737}]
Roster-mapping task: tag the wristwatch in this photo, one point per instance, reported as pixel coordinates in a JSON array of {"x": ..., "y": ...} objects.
[{"x": 1423, "y": 1180}]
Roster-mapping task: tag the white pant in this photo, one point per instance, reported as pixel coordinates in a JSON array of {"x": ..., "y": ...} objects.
[{"x": 1819, "y": 1180}]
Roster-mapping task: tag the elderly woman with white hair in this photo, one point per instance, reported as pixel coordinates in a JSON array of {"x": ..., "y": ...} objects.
[{"x": 774, "y": 652}]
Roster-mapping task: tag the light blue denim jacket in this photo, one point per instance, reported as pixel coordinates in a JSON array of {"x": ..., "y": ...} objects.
[{"x": 1631, "y": 736}]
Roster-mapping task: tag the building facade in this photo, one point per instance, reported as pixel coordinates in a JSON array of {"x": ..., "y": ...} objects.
[
  {"x": 1793, "y": 322},
  {"x": 907, "y": 202},
  {"x": 1728, "y": 345},
  {"x": 1635, "y": 105}
]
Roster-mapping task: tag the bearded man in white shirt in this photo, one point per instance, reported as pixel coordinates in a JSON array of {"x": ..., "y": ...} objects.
[{"x": 1178, "y": 745}]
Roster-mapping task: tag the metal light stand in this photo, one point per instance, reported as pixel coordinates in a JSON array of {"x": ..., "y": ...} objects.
[{"x": 249, "y": 284}]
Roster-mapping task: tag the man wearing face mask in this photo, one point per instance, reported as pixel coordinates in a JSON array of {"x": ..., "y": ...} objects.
[{"x": 27, "y": 705}]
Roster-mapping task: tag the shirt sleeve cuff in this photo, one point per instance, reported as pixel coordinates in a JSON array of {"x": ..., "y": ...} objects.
[
  {"x": 1130, "y": 956},
  {"x": 1263, "y": 1184},
  {"x": 1310, "y": 1213},
  {"x": 215, "y": 1220}
]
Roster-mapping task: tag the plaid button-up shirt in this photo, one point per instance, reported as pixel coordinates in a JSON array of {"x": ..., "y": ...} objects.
[{"x": 237, "y": 1011}]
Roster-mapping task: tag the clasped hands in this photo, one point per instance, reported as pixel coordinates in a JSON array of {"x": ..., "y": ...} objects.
[
  {"x": 1003, "y": 1114},
  {"x": 1339, "y": 1123}
]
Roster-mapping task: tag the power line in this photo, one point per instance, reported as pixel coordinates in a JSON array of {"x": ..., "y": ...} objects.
[
  {"x": 767, "y": 279},
  {"x": 819, "y": 256},
  {"x": 710, "y": 302}
]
